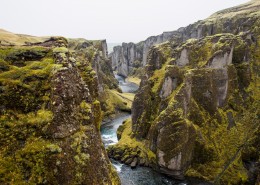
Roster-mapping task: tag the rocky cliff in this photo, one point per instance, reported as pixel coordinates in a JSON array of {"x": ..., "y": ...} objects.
[
  {"x": 129, "y": 57},
  {"x": 108, "y": 92},
  {"x": 96, "y": 53},
  {"x": 233, "y": 20},
  {"x": 50, "y": 117},
  {"x": 196, "y": 113}
]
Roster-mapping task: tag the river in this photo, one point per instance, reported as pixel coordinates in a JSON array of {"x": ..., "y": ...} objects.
[{"x": 128, "y": 176}]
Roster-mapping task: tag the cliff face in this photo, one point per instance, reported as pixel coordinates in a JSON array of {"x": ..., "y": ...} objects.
[
  {"x": 95, "y": 52},
  {"x": 129, "y": 56},
  {"x": 232, "y": 20},
  {"x": 196, "y": 113},
  {"x": 124, "y": 58},
  {"x": 50, "y": 117}
]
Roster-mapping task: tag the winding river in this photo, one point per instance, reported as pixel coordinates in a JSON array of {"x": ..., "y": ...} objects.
[{"x": 128, "y": 176}]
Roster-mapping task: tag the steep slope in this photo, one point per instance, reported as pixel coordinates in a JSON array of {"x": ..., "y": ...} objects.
[
  {"x": 233, "y": 20},
  {"x": 50, "y": 118},
  {"x": 196, "y": 113},
  {"x": 108, "y": 92},
  {"x": 96, "y": 53}
]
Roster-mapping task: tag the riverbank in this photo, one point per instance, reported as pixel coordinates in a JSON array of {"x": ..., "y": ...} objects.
[
  {"x": 128, "y": 175},
  {"x": 134, "y": 80}
]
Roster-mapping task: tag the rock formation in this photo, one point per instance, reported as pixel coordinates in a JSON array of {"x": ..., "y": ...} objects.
[
  {"x": 50, "y": 116},
  {"x": 130, "y": 56},
  {"x": 126, "y": 57},
  {"x": 107, "y": 92},
  {"x": 196, "y": 113},
  {"x": 123, "y": 57},
  {"x": 96, "y": 53}
]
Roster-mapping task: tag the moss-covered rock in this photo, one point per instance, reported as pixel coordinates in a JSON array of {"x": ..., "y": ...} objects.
[
  {"x": 129, "y": 149},
  {"x": 232, "y": 20},
  {"x": 197, "y": 105},
  {"x": 49, "y": 120},
  {"x": 96, "y": 70}
]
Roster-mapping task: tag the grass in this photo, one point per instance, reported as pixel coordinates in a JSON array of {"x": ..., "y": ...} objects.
[
  {"x": 8, "y": 38},
  {"x": 125, "y": 97},
  {"x": 113, "y": 101},
  {"x": 134, "y": 80}
]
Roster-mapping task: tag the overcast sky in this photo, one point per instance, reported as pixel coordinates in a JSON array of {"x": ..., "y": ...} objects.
[{"x": 114, "y": 20}]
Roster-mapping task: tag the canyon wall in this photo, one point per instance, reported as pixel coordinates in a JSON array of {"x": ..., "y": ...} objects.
[
  {"x": 123, "y": 57},
  {"x": 196, "y": 113},
  {"x": 105, "y": 86},
  {"x": 50, "y": 115}
]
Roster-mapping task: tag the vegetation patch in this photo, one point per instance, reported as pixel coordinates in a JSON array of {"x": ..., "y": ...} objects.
[{"x": 129, "y": 148}]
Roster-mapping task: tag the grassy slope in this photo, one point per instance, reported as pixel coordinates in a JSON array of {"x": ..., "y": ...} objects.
[{"x": 9, "y": 38}]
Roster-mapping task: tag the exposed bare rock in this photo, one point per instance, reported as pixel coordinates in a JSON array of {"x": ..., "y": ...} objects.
[{"x": 232, "y": 20}]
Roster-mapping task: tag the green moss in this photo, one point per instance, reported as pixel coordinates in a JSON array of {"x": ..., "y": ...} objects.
[
  {"x": 113, "y": 101},
  {"x": 200, "y": 54},
  {"x": 24, "y": 151},
  {"x": 197, "y": 114},
  {"x": 136, "y": 73},
  {"x": 60, "y": 50},
  {"x": 157, "y": 79},
  {"x": 29, "y": 154},
  {"x": 24, "y": 87},
  {"x": 130, "y": 147},
  {"x": 165, "y": 49},
  {"x": 25, "y": 91},
  {"x": 222, "y": 143},
  {"x": 81, "y": 158},
  {"x": 78, "y": 145},
  {"x": 3, "y": 65},
  {"x": 89, "y": 76},
  {"x": 86, "y": 106},
  {"x": 97, "y": 114},
  {"x": 33, "y": 156},
  {"x": 218, "y": 153},
  {"x": 12, "y": 54}
]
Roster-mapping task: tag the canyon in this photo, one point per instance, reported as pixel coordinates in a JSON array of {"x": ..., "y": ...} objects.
[
  {"x": 129, "y": 56},
  {"x": 194, "y": 117}
]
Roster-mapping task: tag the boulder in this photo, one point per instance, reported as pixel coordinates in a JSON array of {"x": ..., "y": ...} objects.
[{"x": 134, "y": 163}]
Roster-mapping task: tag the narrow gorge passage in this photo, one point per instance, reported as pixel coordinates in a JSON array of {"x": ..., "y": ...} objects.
[
  {"x": 129, "y": 176},
  {"x": 108, "y": 130}
]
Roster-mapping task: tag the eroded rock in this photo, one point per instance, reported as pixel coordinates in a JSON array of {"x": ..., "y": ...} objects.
[
  {"x": 53, "y": 133},
  {"x": 196, "y": 103}
]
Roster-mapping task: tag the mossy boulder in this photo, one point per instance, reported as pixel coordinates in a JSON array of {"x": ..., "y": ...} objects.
[{"x": 128, "y": 149}]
